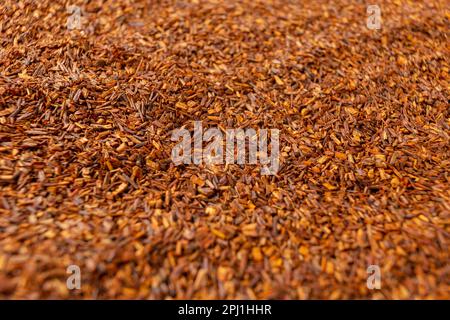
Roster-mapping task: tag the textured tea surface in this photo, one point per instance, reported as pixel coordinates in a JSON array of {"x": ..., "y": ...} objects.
[{"x": 86, "y": 176}]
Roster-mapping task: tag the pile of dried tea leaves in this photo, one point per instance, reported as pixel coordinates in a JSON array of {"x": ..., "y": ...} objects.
[{"x": 91, "y": 91}]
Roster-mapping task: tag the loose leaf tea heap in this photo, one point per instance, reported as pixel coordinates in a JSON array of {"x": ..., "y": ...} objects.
[{"x": 91, "y": 91}]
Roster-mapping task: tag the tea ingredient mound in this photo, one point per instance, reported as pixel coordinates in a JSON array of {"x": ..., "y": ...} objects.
[{"x": 89, "y": 97}]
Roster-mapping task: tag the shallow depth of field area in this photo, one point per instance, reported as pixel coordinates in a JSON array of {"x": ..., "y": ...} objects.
[{"x": 88, "y": 106}]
